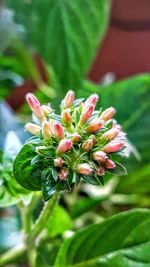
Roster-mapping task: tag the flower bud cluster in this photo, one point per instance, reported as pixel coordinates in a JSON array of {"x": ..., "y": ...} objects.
[{"x": 81, "y": 141}]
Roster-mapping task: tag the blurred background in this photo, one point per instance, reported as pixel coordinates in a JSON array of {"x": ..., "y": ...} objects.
[{"x": 90, "y": 46}]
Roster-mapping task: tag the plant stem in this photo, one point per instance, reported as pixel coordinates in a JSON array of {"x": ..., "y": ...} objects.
[
  {"x": 40, "y": 223},
  {"x": 12, "y": 254}
]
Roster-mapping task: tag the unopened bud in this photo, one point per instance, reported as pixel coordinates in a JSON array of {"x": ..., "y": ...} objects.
[
  {"x": 63, "y": 174},
  {"x": 109, "y": 164},
  {"x": 47, "y": 130},
  {"x": 35, "y": 106},
  {"x": 94, "y": 126},
  {"x": 64, "y": 146},
  {"x": 91, "y": 100},
  {"x": 33, "y": 128},
  {"x": 58, "y": 130},
  {"x": 113, "y": 146},
  {"x": 69, "y": 98},
  {"x": 58, "y": 162},
  {"x": 100, "y": 156},
  {"x": 87, "y": 145},
  {"x": 108, "y": 114},
  {"x": 75, "y": 138},
  {"x": 101, "y": 171},
  {"x": 86, "y": 114},
  {"x": 46, "y": 109},
  {"x": 110, "y": 134},
  {"x": 84, "y": 168},
  {"x": 66, "y": 117}
]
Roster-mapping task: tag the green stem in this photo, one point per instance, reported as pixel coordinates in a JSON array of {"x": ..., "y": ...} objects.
[
  {"x": 12, "y": 254},
  {"x": 31, "y": 239}
]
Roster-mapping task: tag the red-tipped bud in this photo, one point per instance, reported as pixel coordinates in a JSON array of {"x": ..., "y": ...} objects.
[
  {"x": 47, "y": 130},
  {"x": 35, "y": 106},
  {"x": 69, "y": 98},
  {"x": 46, "y": 109},
  {"x": 84, "y": 168},
  {"x": 87, "y": 145},
  {"x": 110, "y": 134},
  {"x": 101, "y": 171},
  {"x": 94, "y": 126},
  {"x": 109, "y": 164},
  {"x": 75, "y": 138},
  {"x": 91, "y": 100},
  {"x": 58, "y": 130},
  {"x": 63, "y": 174},
  {"x": 86, "y": 114},
  {"x": 33, "y": 128},
  {"x": 64, "y": 146},
  {"x": 66, "y": 117},
  {"x": 100, "y": 156},
  {"x": 58, "y": 162},
  {"x": 113, "y": 146},
  {"x": 108, "y": 114}
]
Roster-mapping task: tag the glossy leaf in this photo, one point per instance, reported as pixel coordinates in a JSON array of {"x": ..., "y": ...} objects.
[{"x": 120, "y": 241}]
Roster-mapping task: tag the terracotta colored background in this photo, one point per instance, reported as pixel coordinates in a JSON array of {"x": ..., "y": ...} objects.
[{"x": 125, "y": 49}]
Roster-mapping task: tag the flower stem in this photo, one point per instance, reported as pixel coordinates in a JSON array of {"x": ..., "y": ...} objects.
[
  {"x": 40, "y": 223},
  {"x": 12, "y": 254}
]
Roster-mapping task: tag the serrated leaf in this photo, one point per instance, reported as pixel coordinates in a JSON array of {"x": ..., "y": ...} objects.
[
  {"x": 120, "y": 241},
  {"x": 91, "y": 179}
]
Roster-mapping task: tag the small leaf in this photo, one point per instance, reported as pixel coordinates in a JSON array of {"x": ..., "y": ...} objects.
[
  {"x": 91, "y": 179},
  {"x": 119, "y": 170}
]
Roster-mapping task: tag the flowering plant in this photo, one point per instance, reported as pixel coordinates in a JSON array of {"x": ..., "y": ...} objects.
[{"x": 80, "y": 144}]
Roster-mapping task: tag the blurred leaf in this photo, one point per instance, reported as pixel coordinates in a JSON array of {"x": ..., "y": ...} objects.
[
  {"x": 121, "y": 241},
  {"x": 66, "y": 33},
  {"x": 137, "y": 182},
  {"x": 59, "y": 222},
  {"x": 131, "y": 98}
]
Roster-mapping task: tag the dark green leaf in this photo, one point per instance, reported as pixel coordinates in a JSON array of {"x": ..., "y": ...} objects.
[
  {"x": 119, "y": 170},
  {"x": 121, "y": 241},
  {"x": 27, "y": 175}
]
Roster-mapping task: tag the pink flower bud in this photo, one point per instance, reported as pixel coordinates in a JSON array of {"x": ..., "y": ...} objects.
[
  {"x": 75, "y": 138},
  {"x": 113, "y": 146},
  {"x": 58, "y": 130},
  {"x": 63, "y": 174},
  {"x": 69, "y": 98},
  {"x": 35, "y": 106},
  {"x": 66, "y": 117},
  {"x": 58, "y": 162},
  {"x": 91, "y": 100},
  {"x": 47, "y": 130},
  {"x": 33, "y": 128},
  {"x": 109, "y": 164},
  {"x": 108, "y": 114},
  {"x": 87, "y": 145},
  {"x": 100, "y": 156},
  {"x": 64, "y": 146},
  {"x": 110, "y": 134},
  {"x": 86, "y": 114},
  {"x": 101, "y": 171},
  {"x": 94, "y": 126},
  {"x": 84, "y": 168}
]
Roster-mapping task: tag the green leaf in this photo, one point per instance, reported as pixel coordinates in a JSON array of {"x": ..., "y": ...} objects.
[
  {"x": 119, "y": 170},
  {"x": 27, "y": 175},
  {"x": 66, "y": 33},
  {"x": 59, "y": 222},
  {"x": 120, "y": 241}
]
